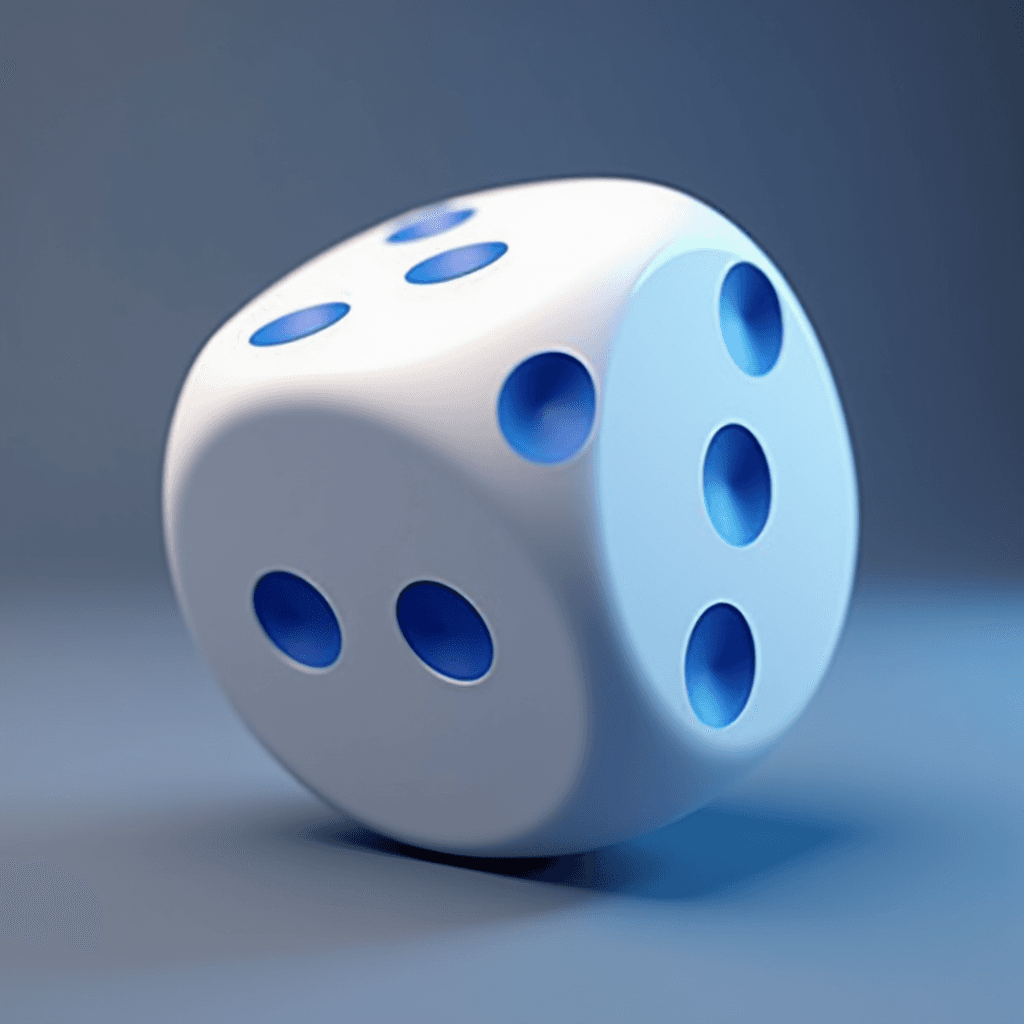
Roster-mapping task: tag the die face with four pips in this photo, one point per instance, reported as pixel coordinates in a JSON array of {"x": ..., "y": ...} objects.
[{"x": 519, "y": 525}]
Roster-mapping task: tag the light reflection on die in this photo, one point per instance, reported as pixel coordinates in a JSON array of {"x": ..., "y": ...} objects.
[{"x": 523, "y": 524}]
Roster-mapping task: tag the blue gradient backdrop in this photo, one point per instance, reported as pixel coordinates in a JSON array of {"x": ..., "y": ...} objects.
[{"x": 162, "y": 163}]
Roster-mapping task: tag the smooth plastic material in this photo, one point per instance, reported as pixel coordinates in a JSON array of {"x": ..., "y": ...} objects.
[
  {"x": 446, "y": 266},
  {"x": 445, "y": 630},
  {"x": 546, "y": 407},
  {"x": 751, "y": 319},
  {"x": 737, "y": 485},
  {"x": 297, "y": 619},
  {"x": 435, "y": 222},
  {"x": 719, "y": 667},
  {"x": 300, "y": 324},
  {"x": 516, "y": 495}
]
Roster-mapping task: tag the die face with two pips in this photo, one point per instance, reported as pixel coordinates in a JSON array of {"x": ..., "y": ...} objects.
[{"x": 519, "y": 525}]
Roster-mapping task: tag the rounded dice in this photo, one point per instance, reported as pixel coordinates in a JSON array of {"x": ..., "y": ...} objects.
[{"x": 519, "y": 525}]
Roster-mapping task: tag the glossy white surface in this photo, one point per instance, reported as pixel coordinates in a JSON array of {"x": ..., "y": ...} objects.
[{"x": 369, "y": 455}]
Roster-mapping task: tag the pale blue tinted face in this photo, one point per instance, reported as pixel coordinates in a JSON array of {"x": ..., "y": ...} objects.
[
  {"x": 445, "y": 631},
  {"x": 717, "y": 487},
  {"x": 434, "y": 222},
  {"x": 719, "y": 666},
  {"x": 737, "y": 485},
  {"x": 453, "y": 263},
  {"x": 546, "y": 407},
  {"x": 297, "y": 619},
  {"x": 751, "y": 319},
  {"x": 300, "y": 324}
]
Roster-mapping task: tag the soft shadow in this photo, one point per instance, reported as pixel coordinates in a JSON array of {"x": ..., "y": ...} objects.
[{"x": 710, "y": 851}]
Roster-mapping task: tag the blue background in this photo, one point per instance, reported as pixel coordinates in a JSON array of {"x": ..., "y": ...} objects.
[{"x": 161, "y": 164}]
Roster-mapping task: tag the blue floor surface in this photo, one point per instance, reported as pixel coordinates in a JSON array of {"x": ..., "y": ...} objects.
[{"x": 158, "y": 866}]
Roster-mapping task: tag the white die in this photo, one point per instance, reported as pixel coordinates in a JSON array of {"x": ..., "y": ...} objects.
[{"x": 520, "y": 525}]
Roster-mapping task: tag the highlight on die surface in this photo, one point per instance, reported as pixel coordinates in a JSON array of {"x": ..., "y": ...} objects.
[{"x": 521, "y": 524}]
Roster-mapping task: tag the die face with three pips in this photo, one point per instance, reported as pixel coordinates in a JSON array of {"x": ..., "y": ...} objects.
[{"x": 519, "y": 525}]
